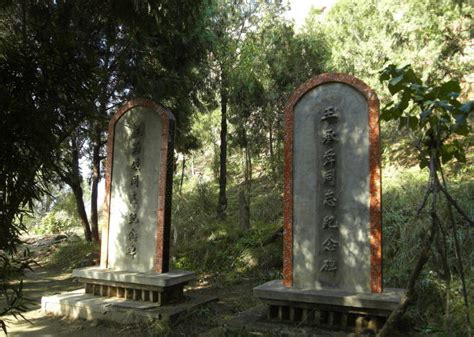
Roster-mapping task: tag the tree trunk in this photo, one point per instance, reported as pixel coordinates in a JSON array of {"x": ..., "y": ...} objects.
[
  {"x": 222, "y": 202},
  {"x": 424, "y": 256},
  {"x": 74, "y": 181},
  {"x": 81, "y": 211},
  {"x": 182, "y": 174},
  {"x": 95, "y": 183},
  {"x": 244, "y": 194}
]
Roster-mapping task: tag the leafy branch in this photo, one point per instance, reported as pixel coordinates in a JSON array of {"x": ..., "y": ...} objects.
[{"x": 440, "y": 122}]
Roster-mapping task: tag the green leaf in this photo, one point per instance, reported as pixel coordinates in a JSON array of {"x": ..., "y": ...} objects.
[
  {"x": 448, "y": 88},
  {"x": 404, "y": 100},
  {"x": 460, "y": 119},
  {"x": 425, "y": 114},
  {"x": 386, "y": 72},
  {"x": 396, "y": 84},
  {"x": 391, "y": 113},
  {"x": 444, "y": 105},
  {"x": 467, "y": 107},
  {"x": 411, "y": 76}
]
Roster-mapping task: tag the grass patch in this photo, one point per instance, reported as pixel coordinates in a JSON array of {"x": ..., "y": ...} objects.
[{"x": 71, "y": 255}]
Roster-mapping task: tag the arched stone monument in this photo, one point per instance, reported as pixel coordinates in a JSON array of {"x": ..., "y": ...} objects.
[
  {"x": 332, "y": 245},
  {"x": 136, "y": 236}
]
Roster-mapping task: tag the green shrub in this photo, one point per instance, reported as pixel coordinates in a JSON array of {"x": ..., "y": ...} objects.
[{"x": 57, "y": 222}]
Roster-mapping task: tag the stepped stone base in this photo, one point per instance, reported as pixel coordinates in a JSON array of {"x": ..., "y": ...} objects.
[
  {"x": 78, "y": 304},
  {"x": 329, "y": 308},
  {"x": 158, "y": 288}
]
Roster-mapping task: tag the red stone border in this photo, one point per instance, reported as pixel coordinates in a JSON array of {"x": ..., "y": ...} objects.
[
  {"x": 374, "y": 167},
  {"x": 162, "y": 243}
]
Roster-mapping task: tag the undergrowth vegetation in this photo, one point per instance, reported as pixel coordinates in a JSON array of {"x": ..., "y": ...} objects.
[
  {"x": 71, "y": 255},
  {"x": 204, "y": 242},
  {"x": 439, "y": 298}
]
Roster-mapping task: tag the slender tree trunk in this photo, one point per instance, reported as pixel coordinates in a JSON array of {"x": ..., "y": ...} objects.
[
  {"x": 81, "y": 211},
  {"x": 222, "y": 202},
  {"x": 182, "y": 174},
  {"x": 74, "y": 181},
  {"x": 244, "y": 194},
  {"x": 95, "y": 183}
]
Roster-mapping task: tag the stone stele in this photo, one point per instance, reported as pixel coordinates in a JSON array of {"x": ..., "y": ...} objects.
[
  {"x": 332, "y": 205},
  {"x": 136, "y": 236}
]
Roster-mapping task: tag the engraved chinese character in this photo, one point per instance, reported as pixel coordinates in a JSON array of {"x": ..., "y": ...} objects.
[
  {"x": 329, "y": 136},
  {"x": 329, "y": 158},
  {"x": 328, "y": 176},
  {"x": 330, "y": 244},
  {"x": 329, "y": 221},
  {"x": 329, "y": 113},
  {"x": 329, "y": 199},
  {"x": 329, "y": 265},
  {"x": 132, "y": 218},
  {"x": 132, "y": 250},
  {"x": 134, "y": 180},
  {"x": 133, "y": 235},
  {"x": 136, "y": 164},
  {"x": 136, "y": 147},
  {"x": 134, "y": 198}
]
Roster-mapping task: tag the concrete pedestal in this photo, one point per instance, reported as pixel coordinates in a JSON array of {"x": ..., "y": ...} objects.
[
  {"x": 335, "y": 309},
  {"x": 158, "y": 288},
  {"x": 78, "y": 304}
]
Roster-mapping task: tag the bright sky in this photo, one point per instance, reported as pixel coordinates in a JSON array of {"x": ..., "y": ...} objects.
[{"x": 300, "y": 9}]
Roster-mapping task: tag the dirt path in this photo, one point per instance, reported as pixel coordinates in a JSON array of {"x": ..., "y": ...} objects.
[
  {"x": 44, "y": 281},
  {"x": 208, "y": 320}
]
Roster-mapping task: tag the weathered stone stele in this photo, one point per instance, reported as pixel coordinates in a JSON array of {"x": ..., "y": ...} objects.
[
  {"x": 350, "y": 172},
  {"x": 137, "y": 212},
  {"x": 123, "y": 191},
  {"x": 332, "y": 254},
  {"x": 139, "y": 146}
]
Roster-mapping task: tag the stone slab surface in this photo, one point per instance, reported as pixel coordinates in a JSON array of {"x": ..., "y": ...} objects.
[
  {"x": 77, "y": 304},
  {"x": 152, "y": 279},
  {"x": 145, "y": 189},
  {"x": 276, "y": 291},
  {"x": 349, "y": 185}
]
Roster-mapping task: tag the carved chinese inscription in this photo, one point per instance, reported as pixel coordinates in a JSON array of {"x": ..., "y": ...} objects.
[
  {"x": 328, "y": 125},
  {"x": 329, "y": 265},
  {"x": 133, "y": 221}
]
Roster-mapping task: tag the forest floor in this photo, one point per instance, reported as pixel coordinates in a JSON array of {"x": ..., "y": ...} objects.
[{"x": 211, "y": 319}]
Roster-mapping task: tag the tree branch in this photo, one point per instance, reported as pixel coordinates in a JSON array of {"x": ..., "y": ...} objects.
[{"x": 456, "y": 205}]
